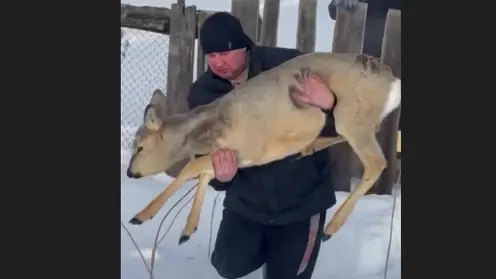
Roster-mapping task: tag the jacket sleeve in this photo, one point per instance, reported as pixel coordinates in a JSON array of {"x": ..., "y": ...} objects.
[
  {"x": 321, "y": 161},
  {"x": 274, "y": 57},
  {"x": 329, "y": 129},
  {"x": 195, "y": 99}
]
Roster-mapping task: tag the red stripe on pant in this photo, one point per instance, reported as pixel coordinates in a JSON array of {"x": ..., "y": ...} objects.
[{"x": 312, "y": 237}]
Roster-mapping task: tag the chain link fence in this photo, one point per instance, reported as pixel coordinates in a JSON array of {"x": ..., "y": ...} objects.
[{"x": 144, "y": 58}]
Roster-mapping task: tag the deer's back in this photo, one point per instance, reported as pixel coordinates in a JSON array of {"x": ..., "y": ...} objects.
[{"x": 262, "y": 112}]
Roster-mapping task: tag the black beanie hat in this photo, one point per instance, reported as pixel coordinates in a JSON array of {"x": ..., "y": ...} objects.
[{"x": 222, "y": 32}]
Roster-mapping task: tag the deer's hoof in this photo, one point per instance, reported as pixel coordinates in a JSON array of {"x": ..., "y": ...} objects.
[
  {"x": 183, "y": 239},
  {"x": 135, "y": 221},
  {"x": 326, "y": 237}
]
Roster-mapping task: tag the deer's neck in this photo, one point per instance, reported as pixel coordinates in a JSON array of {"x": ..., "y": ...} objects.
[{"x": 201, "y": 132}]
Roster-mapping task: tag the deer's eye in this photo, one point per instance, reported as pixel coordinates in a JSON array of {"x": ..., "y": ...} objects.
[{"x": 139, "y": 149}]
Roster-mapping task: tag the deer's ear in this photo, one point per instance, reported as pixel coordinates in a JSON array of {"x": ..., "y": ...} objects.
[
  {"x": 159, "y": 100},
  {"x": 151, "y": 118}
]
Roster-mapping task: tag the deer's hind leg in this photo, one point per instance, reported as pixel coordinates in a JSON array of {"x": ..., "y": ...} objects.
[
  {"x": 365, "y": 145},
  {"x": 194, "y": 213},
  {"x": 191, "y": 170}
]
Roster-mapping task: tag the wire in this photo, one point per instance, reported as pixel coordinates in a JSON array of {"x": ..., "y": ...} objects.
[{"x": 395, "y": 195}]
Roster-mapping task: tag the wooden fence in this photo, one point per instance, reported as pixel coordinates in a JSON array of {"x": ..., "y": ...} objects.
[{"x": 182, "y": 23}]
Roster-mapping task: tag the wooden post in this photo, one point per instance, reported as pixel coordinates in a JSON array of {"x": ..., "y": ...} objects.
[
  {"x": 200, "y": 60},
  {"x": 247, "y": 13},
  {"x": 349, "y": 32},
  {"x": 181, "y": 56},
  {"x": 307, "y": 15},
  {"x": 270, "y": 21},
  {"x": 391, "y": 55}
]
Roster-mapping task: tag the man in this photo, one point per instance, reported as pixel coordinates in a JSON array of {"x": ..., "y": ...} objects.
[{"x": 273, "y": 214}]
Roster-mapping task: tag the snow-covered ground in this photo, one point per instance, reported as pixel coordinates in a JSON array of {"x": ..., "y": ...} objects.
[{"x": 358, "y": 251}]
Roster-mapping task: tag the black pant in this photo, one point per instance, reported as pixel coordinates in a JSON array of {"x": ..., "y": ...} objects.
[{"x": 289, "y": 252}]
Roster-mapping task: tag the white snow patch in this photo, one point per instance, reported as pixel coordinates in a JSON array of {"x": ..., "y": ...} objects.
[{"x": 147, "y": 254}]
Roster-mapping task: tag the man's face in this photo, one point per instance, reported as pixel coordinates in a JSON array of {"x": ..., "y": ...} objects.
[{"x": 227, "y": 64}]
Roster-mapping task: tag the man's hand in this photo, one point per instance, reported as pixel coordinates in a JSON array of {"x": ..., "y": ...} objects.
[
  {"x": 225, "y": 164},
  {"x": 314, "y": 91}
]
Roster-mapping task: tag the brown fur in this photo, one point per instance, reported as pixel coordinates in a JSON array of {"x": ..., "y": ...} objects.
[{"x": 263, "y": 123}]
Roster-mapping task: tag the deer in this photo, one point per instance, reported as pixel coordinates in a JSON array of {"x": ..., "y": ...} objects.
[{"x": 263, "y": 122}]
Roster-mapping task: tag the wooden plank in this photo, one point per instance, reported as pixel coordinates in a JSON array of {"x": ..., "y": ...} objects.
[
  {"x": 270, "y": 22},
  {"x": 398, "y": 143},
  {"x": 173, "y": 73},
  {"x": 391, "y": 43},
  {"x": 332, "y": 9},
  {"x": 144, "y": 11},
  {"x": 307, "y": 17},
  {"x": 349, "y": 32},
  {"x": 247, "y": 13},
  {"x": 391, "y": 55},
  {"x": 201, "y": 61},
  {"x": 181, "y": 56},
  {"x": 349, "y": 29},
  {"x": 187, "y": 57},
  {"x": 154, "y": 19}
]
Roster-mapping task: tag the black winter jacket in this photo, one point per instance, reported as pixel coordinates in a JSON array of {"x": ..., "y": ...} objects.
[{"x": 281, "y": 192}]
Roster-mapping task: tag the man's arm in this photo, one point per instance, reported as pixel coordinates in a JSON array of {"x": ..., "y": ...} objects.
[
  {"x": 329, "y": 129},
  {"x": 196, "y": 98},
  {"x": 277, "y": 56}
]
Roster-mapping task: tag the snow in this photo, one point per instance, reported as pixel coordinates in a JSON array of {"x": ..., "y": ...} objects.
[{"x": 357, "y": 251}]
